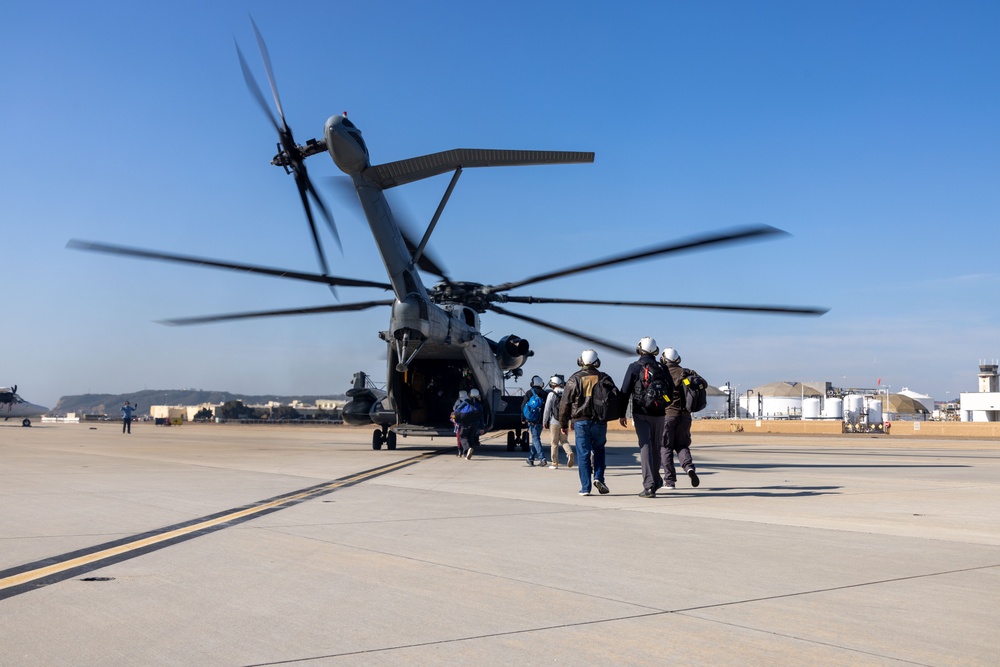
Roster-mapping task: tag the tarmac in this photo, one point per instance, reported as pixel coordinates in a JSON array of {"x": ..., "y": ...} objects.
[{"x": 297, "y": 545}]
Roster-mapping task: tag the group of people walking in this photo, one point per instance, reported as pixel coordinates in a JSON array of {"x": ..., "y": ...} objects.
[{"x": 653, "y": 389}]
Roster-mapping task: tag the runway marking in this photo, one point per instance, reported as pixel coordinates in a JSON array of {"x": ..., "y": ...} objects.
[{"x": 32, "y": 576}]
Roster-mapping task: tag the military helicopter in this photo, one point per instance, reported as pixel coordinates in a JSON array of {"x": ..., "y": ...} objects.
[
  {"x": 12, "y": 405},
  {"x": 435, "y": 346}
]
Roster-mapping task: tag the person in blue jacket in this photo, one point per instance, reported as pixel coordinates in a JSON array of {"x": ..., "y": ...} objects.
[{"x": 127, "y": 411}]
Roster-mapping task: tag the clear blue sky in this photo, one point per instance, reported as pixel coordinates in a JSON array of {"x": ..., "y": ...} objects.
[{"x": 868, "y": 130}]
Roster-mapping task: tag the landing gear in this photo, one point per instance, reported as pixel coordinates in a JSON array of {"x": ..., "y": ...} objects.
[
  {"x": 26, "y": 422},
  {"x": 511, "y": 441},
  {"x": 524, "y": 439},
  {"x": 383, "y": 436}
]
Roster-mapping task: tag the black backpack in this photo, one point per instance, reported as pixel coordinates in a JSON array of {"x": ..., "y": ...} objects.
[
  {"x": 654, "y": 389},
  {"x": 695, "y": 394},
  {"x": 605, "y": 399}
]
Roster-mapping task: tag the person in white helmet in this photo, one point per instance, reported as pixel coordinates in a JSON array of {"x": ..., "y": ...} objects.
[
  {"x": 589, "y": 428},
  {"x": 647, "y": 387},
  {"x": 463, "y": 396},
  {"x": 676, "y": 426},
  {"x": 550, "y": 419},
  {"x": 532, "y": 412}
]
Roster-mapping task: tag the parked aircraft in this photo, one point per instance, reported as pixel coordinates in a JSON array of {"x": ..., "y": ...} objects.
[
  {"x": 13, "y": 406},
  {"x": 434, "y": 342}
]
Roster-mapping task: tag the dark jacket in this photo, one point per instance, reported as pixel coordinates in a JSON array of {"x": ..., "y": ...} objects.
[
  {"x": 678, "y": 403},
  {"x": 632, "y": 385},
  {"x": 577, "y": 403}
]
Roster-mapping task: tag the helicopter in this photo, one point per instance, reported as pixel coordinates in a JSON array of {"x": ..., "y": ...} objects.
[
  {"x": 12, "y": 405},
  {"x": 435, "y": 346}
]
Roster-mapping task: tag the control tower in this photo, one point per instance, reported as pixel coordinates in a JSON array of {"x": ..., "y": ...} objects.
[{"x": 989, "y": 381}]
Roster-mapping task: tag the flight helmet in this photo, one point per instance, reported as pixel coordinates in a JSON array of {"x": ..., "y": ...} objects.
[
  {"x": 537, "y": 381},
  {"x": 474, "y": 394},
  {"x": 557, "y": 381},
  {"x": 670, "y": 354},
  {"x": 463, "y": 395},
  {"x": 646, "y": 345},
  {"x": 589, "y": 358}
]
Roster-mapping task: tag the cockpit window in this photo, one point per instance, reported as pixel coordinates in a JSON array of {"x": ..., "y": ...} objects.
[{"x": 347, "y": 123}]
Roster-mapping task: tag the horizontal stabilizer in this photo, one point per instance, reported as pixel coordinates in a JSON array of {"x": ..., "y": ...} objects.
[{"x": 391, "y": 174}]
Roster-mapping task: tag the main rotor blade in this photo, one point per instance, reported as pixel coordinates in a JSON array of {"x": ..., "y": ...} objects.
[
  {"x": 336, "y": 281},
  {"x": 568, "y": 332},
  {"x": 695, "y": 243},
  {"x": 335, "y": 308},
  {"x": 776, "y": 310}
]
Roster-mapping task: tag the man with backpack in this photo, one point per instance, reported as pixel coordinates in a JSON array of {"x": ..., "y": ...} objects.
[
  {"x": 550, "y": 419},
  {"x": 532, "y": 412},
  {"x": 677, "y": 425},
  {"x": 590, "y": 400},
  {"x": 648, "y": 387},
  {"x": 468, "y": 417}
]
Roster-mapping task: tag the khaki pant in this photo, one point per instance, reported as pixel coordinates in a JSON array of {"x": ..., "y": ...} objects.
[{"x": 557, "y": 439}]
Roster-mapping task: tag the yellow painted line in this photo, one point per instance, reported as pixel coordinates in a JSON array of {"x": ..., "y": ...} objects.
[{"x": 39, "y": 573}]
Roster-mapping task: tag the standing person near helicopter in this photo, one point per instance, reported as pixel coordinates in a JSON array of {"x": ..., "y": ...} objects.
[
  {"x": 648, "y": 388},
  {"x": 532, "y": 411},
  {"x": 550, "y": 420}
]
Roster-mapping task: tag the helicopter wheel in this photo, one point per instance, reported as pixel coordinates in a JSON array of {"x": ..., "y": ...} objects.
[
  {"x": 525, "y": 441},
  {"x": 26, "y": 422},
  {"x": 377, "y": 439},
  {"x": 511, "y": 441},
  {"x": 390, "y": 440}
]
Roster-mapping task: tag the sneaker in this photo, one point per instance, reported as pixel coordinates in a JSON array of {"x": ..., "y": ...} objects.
[
  {"x": 553, "y": 466},
  {"x": 669, "y": 486},
  {"x": 543, "y": 463},
  {"x": 468, "y": 454},
  {"x": 531, "y": 462},
  {"x": 646, "y": 493},
  {"x": 571, "y": 461},
  {"x": 601, "y": 486},
  {"x": 584, "y": 493},
  {"x": 694, "y": 478}
]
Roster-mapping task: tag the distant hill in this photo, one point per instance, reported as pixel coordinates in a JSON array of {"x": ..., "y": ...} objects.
[{"x": 110, "y": 404}]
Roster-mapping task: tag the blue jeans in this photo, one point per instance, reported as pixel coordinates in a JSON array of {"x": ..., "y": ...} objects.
[
  {"x": 536, "y": 452},
  {"x": 591, "y": 437}
]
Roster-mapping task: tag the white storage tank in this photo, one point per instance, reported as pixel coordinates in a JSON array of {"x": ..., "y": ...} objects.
[
  {"x": 875, "y": 412},
  {"x": 854, "y": 406},
  {"x": 834, "y": 408},
  {"x": 810, "y": 408}
]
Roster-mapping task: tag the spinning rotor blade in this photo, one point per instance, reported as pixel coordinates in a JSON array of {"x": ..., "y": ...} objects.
[
  {"x": 777, "y": 310},
  {"x": 568, "y": 332},
  {"x": 335, "y": 308},
  {"x": 89, "y": 246},
  {"x": 290, "y": 156},
  {"x": 695, "y": 243}
]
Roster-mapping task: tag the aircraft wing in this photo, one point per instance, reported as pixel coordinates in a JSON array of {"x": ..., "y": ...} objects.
[{"x": 391, "y": 174}]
